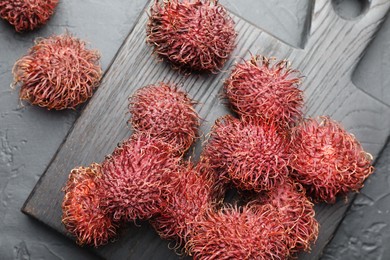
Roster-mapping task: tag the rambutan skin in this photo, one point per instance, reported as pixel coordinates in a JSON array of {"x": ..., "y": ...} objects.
[
  {"x": 265, "y": 89},
  {"x": 192, "y": 34},
  {"x": 27, "y": 15},
  {"x": 83, "y": 215},
  {"x": 58, "y": 72},
  {"x": 136, "y": 175},
  {"x": 252, "y": 154},
  {"x": 166, "y": 112},
  {"x": 249, "y": 232},
  {"x": 296, "y": 212},
  {"x": 191, "y": 192},
  {"x": 328, "y": 160}
]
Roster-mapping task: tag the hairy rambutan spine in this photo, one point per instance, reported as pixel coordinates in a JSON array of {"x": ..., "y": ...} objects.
[
  {"x": 27, "y": 14},
  {"x": 83, "y": 215},
  {"x": 296, "y": 212},
  {"x": 136, "y": 176},
  {"x": 58, "y": 72},
  {"x": 191, "y": 192},
  {"x": 252, "y": 154},
  {"x": 249, "y": 232},
  {"x": 266, "y": 89},
  {"x": 166, "y": 112},
  {"x": 192, "y": 34},
  {"x": 328, "y": 160}
]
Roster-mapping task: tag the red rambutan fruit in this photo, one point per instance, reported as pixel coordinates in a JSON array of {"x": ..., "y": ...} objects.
[
  {"x": 165, "y": 112},
  {"x": 249, "y": 232},
  {"x": 58, "y": 72},
  {"x": 296, "y": 213},
  {"x": 192, "y": 34},
  {"x": 254, "y": 155},
  {"x": 27, "y": 14},
  {"x": 262, "y": 88},
  {"x": 328, "y": 160},
  {"x": 83, "y": 215},
  {"x": 192, "y": 190},
  {"x": 135, "y": 177}
]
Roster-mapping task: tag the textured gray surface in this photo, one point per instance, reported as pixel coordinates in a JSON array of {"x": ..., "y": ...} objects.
[{"x": 29, "y": 137}]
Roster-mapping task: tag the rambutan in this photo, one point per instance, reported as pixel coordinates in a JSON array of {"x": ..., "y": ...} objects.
[
  {"x": 262, "y": 88},
  {"x": 192, "y": 34},
  {"x": 59, "y": 72},
  {"x": 254, "y": 155},
  {"x": 167, "y": 113},
  {"x": 249, "y": 232},
  {"x": 83, "y": 215},
  {"x": 296, "y": 212},
  {"x": 328, "y": 160},
  {"x": 27, "y": 14},
  {"x": 135, "y": 177},
  {"x": 191, "y": 192}
]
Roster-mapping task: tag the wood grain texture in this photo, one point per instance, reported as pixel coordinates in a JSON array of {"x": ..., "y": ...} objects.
[
  {"x": 286, "y": 20},
  {"x": 333, "y": 49}
]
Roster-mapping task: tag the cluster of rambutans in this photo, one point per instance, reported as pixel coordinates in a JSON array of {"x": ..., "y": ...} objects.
[
  {"x": 283, "y": 160},
  {"x": 287, "y": 160},
  {"x": 141, "y": 178},
  {"x": 270, "y": 150}
]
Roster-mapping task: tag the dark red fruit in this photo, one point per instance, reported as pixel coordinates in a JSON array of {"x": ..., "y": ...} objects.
[
  {"x": 262, "y": 88},
  {"x": 135, "y": 177},
  {"x": 296, "y": 213},
  {"x": 252, "y": 154},
  {"x": 167, "y": 113},
  {"x": 194, "y": 34},
  {"x": 328, "y": 160},
  {"x": 58, "y": 72},
  {"x": 191, "y": 192},
  {"x": 83, "y": 215},
  {"x": 249, "y": 232},
  {"x": 27, "y": 14}
]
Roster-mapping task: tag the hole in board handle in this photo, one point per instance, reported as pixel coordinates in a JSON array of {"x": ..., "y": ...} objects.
[{"x": 351, "y": 9}]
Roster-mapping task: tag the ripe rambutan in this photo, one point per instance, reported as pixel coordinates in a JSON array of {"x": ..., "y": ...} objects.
[
  {"x": 249, "y": 232},
  {"x": 191, "y": 192},
  {"x": 167, "y": 113},
  {"x": 135, "y": 177},
  {"x": 262, "y": 88},
  {"x": 58, "y": 72},
  {"x": 27, "y": 15},
  {"x": 192, "y": 34},
  {"x": 83, "y": 215},
  {"x": 296, "y": 213},
  {"x": 254, "y": 155},
  {"x": 328, "y": 160}
]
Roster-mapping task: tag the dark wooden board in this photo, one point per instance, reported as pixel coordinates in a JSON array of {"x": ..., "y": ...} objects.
[{"x": 333, "y": 49}]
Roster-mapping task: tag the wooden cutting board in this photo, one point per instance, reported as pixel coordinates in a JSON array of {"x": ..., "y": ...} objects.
[{"x": 333, "y": 49}]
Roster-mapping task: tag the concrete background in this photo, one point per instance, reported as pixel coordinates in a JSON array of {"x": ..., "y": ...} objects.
[{"x": 30, "y": 136}]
